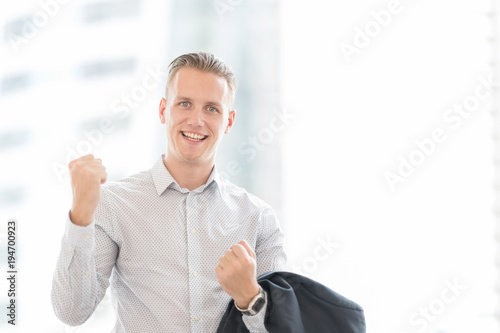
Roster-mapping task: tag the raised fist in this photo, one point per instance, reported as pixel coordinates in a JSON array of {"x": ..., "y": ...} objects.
[{"x": 87, "y": 174}]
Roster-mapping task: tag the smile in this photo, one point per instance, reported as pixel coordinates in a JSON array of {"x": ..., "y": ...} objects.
[{"x": 194, "y": 136}]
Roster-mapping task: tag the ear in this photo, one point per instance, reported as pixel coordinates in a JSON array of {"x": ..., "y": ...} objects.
[
  {"x": 161, "y": 109},
  {"x": 230, "y": 120}
]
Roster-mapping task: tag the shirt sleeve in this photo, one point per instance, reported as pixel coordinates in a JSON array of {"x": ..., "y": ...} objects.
[
  {"x": 270, "y": 257},
  {"x": 255, "y": 324},
  {"x": 269, "y": 248},
  {"x": 82, "y": 273}
]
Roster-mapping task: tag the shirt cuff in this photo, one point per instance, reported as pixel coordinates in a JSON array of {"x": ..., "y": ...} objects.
[
  {"x": 79, "y": 236},
  {"x": 255, "y": 324}
]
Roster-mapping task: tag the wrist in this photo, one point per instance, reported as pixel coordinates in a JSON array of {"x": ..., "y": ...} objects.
[
  {"x": 79, "y": 218},
  {"x": 255, "y": 305},
  {"x": 245, "y": 300}
]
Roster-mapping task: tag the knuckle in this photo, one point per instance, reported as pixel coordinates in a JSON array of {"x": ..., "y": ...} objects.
[
  {"x": 88, "y": 173},
  {"x": 248, "y": 261},
  {"x": 75, "y": 169}
]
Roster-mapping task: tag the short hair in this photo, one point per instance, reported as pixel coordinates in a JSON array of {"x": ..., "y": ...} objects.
[{"x": 205, "y": 62}]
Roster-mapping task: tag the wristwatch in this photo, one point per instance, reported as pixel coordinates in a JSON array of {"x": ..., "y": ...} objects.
[{"x": 255, "y": 304}]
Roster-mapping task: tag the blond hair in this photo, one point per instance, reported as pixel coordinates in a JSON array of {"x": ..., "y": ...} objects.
[{"x": 205, "y": 62}]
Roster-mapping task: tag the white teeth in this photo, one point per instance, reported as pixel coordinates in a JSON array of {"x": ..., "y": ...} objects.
[{"x": 193, "y": 135}]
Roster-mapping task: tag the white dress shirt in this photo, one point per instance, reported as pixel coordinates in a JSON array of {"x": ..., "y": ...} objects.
[{"x": 160, "y": 244}]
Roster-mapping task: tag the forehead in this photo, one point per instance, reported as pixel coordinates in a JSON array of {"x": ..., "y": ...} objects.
[{"x": 198, "y": 85}]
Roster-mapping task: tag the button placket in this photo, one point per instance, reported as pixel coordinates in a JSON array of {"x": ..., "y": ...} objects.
[{"x": 194, "y": 267}]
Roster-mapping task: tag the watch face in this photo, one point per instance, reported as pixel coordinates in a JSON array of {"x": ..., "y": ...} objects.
[{"x": 258, "y": 305}]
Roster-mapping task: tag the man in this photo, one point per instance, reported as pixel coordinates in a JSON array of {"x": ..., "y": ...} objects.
[{"x": 178, "y": 240}]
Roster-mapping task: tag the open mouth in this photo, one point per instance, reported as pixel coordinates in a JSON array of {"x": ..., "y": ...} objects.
[{"x": 194, "y": 136}]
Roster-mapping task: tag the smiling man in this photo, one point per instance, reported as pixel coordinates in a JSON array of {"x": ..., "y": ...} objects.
[{"x": 176, "y": 242}]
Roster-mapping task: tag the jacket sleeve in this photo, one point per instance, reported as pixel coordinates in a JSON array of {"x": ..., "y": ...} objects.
[
  {"x": 81, "y": 277},
  {"x": 270, "y": 257}
]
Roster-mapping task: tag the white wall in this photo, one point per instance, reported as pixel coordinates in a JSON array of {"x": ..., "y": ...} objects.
[{"x": 396, "y": 248}]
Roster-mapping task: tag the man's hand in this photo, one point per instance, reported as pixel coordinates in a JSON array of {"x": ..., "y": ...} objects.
[
  {"x": 237, "y": 274},
  {"x": 87, "y": 174}
]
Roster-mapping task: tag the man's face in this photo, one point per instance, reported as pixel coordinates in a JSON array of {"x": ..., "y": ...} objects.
[{"x": 196, "y": 114}]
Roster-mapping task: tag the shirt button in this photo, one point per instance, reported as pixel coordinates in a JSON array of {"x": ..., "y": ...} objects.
[
  {"x": 86, "y": 272},
  {"x": 196, "y": 318},
  {"x": 87, "y": 236},
  {"x": 193, "y": 231},
  {"x": 195, "y": 273}
]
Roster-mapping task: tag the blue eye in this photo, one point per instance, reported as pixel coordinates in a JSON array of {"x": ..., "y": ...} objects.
[
  {"x": 185, "y": 104},
  {"x": 212, "y": 109}
]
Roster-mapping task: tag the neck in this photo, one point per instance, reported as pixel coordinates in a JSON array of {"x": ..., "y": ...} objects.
[{"x": 188, "y": 175}]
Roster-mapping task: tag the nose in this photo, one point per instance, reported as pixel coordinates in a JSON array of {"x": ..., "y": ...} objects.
[{"x": 195, "y": 117}]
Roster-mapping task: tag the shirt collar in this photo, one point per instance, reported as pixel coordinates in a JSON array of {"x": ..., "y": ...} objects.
[{"x": 162, "y": 178}]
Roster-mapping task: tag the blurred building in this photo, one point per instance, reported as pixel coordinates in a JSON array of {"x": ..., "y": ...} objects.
[{"x": 86, "y": 77}]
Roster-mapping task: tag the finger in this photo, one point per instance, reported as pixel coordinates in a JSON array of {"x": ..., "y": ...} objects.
[
  {"x": 223, "y": 262},
  {"x": 87, "y": 157},
  {"x": 96, "y": 161},
  {"x": 248, "y": 248},
  {"x": 240, "y": 251},
  {"x": 103, "y": 175},
  {"x": 230, "y": 255},
  {"x": 70, "y": 164}
]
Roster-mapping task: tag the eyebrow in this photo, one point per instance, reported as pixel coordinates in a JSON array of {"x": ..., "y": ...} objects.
[
  {"x": 183, "y": 98},
  {"x": 215, "y": 103}
]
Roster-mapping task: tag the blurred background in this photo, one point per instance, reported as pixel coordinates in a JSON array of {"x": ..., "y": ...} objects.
[{"x": 371, "y": 128}]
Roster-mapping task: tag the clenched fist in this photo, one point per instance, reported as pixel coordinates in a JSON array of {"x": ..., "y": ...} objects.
[
  {"x": 87, "y": 174},
  {"x": 237, "y": 273}
]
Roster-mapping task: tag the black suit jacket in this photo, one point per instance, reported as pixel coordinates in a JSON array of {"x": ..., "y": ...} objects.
[{"x": 297, "y": 304}]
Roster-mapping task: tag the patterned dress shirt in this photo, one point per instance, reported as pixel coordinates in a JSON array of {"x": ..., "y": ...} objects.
[{"x": 157, "y": 245}]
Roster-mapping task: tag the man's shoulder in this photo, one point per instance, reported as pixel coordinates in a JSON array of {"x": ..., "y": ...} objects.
[
  {"x": 138, "y": 182},
  {"x": 118, "y": 194},
  {"x": 240, "y": 194}
]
